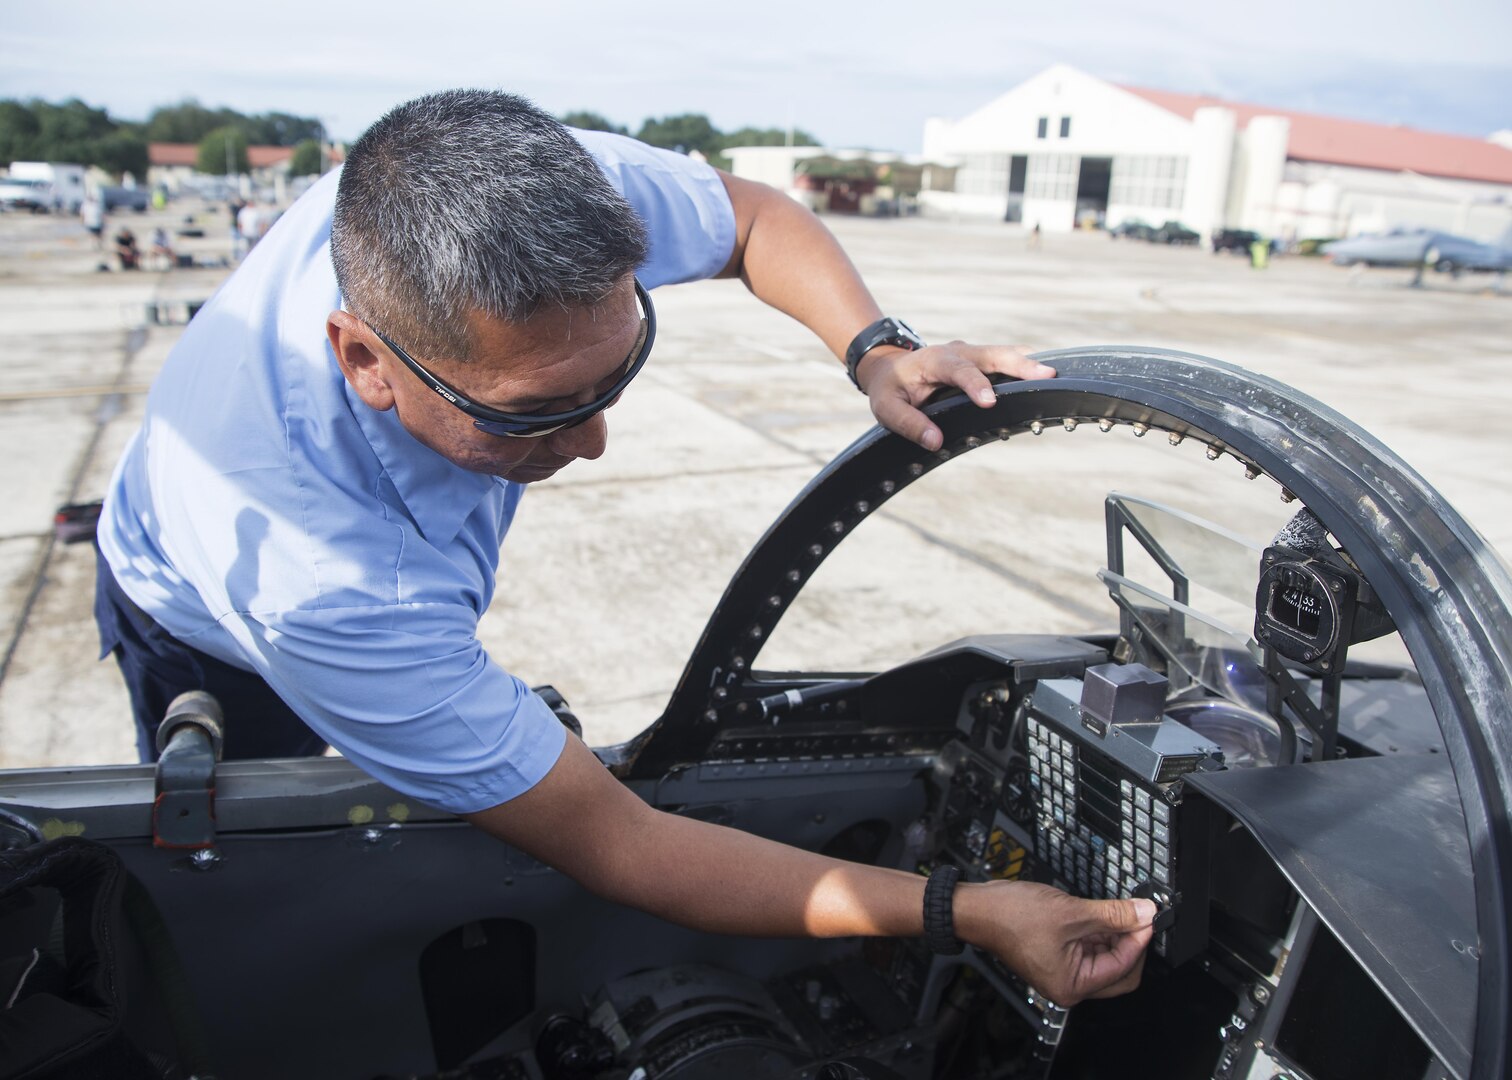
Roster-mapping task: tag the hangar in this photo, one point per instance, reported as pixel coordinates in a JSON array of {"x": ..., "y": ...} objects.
[{"x": 1066, "y": 148}]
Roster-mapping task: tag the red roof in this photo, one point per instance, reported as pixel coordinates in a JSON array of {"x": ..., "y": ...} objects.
[
  {"x": 1355, "y": 142},
  {"x": 172, "y": 153},
  {"x": 259, "y": 157}
]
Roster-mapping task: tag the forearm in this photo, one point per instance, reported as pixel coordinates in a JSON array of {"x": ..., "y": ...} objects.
[
  {"x": 789, "y": 259},
  {"x": 586, "y": 824},
  {"x": 722, "y": 880}
]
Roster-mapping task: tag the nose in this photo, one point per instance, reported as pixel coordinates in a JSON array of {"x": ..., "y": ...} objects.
[{"x": 586, "y": 440}]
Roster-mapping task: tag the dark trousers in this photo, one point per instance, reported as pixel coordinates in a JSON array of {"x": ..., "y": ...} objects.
[{"x": 158, "y": 668}]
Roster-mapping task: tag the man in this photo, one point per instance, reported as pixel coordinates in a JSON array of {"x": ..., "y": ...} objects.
[
  {"x": 308, "y": 525},
  {"x": 93, "y": 213},
  {"x": 126, "y": 250}
]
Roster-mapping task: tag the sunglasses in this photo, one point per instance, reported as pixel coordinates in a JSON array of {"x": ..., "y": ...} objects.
[{"x": 534, "y": 425}]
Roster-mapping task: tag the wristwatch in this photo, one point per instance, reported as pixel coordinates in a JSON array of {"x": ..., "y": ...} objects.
[
  {"x": 939, "y": 911},
  {"x": 882, "y": 332}
]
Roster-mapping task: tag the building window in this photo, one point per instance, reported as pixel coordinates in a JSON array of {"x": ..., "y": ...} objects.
[
  {"x": 1044, "y": 127},
  {"x": 1149, "y": 181},
  {"x": 1052, "y": 176},
  {"x": 1065, "y": 127},
  {"x": 983, "y": 174}
]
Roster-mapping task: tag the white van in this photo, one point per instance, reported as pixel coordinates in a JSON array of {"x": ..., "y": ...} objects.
[{"x": 66, "y": 182}]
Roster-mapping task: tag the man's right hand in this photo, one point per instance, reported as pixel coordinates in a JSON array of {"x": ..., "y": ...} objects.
[{"x": 1066, "y": 948}]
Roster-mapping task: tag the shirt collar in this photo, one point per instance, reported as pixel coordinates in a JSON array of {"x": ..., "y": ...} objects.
[{"x": 439, "y": 496}]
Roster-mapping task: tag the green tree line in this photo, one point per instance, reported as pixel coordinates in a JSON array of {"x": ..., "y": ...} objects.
[
  {"x": 73, "y": 131},
  {"x": 691, "y": 131},
  {"x": 37, "y": 130}
]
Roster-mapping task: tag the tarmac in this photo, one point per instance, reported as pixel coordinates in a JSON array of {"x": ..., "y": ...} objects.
[{"x": 613, "y": 567}]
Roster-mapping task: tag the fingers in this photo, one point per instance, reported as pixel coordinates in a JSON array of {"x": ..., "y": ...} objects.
[
  {"x": 1129, "y": 982},
  {"x": 899, "y": 382},
  {"x": 1106, "y": 947},
  {"x": 1121, "y": 916},
  {"x": 966, "y": 367},
  {"x": 1011, "y": 360},
  {"x": 1113, "y": 960},
  {"x": 1123, "y": 967},
  {"x": 896, "y": 413}
]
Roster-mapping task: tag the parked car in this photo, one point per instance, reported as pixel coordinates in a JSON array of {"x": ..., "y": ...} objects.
[
  {"x": 1132, "y": 228},
  {"x": 124, "y": 198},
  {"x": 1238, "y": 240},
  {"x": 1174, "y": 232},
  {"x": 22, "y": 194}
]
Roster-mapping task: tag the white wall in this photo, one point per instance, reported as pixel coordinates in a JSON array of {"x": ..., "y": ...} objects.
[
  {"x": 1264, "y": 141},
  {"x": 1316, "y": 200},
  {"x": 769, "y": 164},
  {"x": 1051, "y": 215},
  {"x": 954, "y": 204},
  {"x": 1205, "y": 202},
  {"x": 1104, "y": 121}
]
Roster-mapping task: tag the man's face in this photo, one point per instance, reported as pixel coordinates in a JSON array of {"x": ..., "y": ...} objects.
[{"x": 554, "y": 361}]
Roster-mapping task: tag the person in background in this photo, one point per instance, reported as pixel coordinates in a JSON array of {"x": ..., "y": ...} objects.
[
  {"x": 162, "y": 249},
  {"x": 126, "y": 249},
  {"x": 238, "y": 245},
  {"x": 249, "y": 223},
  {"x": 93, "y": 213}
]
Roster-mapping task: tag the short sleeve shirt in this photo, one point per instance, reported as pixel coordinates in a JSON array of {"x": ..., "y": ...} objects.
[{"x": 264, "y": 515}]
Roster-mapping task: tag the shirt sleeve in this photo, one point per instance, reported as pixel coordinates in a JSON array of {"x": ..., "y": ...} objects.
[
  {"x": 407, "y": 694},
  {"x": 682, "y": 201}
]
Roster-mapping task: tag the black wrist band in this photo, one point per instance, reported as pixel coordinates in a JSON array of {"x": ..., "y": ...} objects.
[
  {"x": 882, "y": 332},
  {"x": 939, "y": 911}
]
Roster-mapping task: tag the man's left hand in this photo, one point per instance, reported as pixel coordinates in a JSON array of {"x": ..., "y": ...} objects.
[{"x": 898, "y": 382}]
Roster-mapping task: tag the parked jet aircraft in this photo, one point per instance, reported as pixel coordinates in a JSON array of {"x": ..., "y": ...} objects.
[{"x": 1443, "y": 251}]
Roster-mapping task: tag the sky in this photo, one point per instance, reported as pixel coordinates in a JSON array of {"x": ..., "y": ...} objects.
[{"x": 850, "y": 74}]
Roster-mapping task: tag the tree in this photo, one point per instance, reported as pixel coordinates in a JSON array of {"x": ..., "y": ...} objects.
[
  {"x": 690, "y": 131},
  {"x": 749, "y": 136},
  {"x": 222, "y": 147},
  {"x": 190, "y": 122},
  {"x": 281, "y": 129},
  {"x": 73, "y": 132},
  {"x": 18, "y": 132},
  {"x": 306, "y": 160},
  {"x": 592, "y": 121},
  {"x": 122, "y": 151}
]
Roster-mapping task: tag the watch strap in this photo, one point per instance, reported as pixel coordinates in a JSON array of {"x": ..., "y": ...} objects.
[
  {"x": 939, "y": 911},
  {"x": 887, "y": 331}
]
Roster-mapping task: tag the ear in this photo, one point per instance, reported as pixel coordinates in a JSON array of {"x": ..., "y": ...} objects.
[{"x": 365, "y": 368}]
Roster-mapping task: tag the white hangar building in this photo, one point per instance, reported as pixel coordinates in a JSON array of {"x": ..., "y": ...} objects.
[{"x": 1066, "y": 147}]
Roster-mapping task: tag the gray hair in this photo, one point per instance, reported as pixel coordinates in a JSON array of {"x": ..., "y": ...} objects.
[{"x": 474, "y": 201}]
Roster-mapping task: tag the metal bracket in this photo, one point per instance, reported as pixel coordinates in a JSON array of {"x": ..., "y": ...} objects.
[
  {"x": 189, "y": 742},
  {"x": 1282, "y": 689}
]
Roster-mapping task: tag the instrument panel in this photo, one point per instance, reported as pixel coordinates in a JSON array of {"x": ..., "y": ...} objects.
[{"x": 1095, "y": 805}]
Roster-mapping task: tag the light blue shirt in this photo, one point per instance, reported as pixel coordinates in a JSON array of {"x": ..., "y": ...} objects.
[{"x": 266, "y": 516}]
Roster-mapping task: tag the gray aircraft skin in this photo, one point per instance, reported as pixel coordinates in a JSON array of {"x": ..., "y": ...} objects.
[{"x": 1414, "y": 247}]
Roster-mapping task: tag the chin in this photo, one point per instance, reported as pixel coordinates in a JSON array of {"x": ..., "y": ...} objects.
[{"x": 529, "y": 474}]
